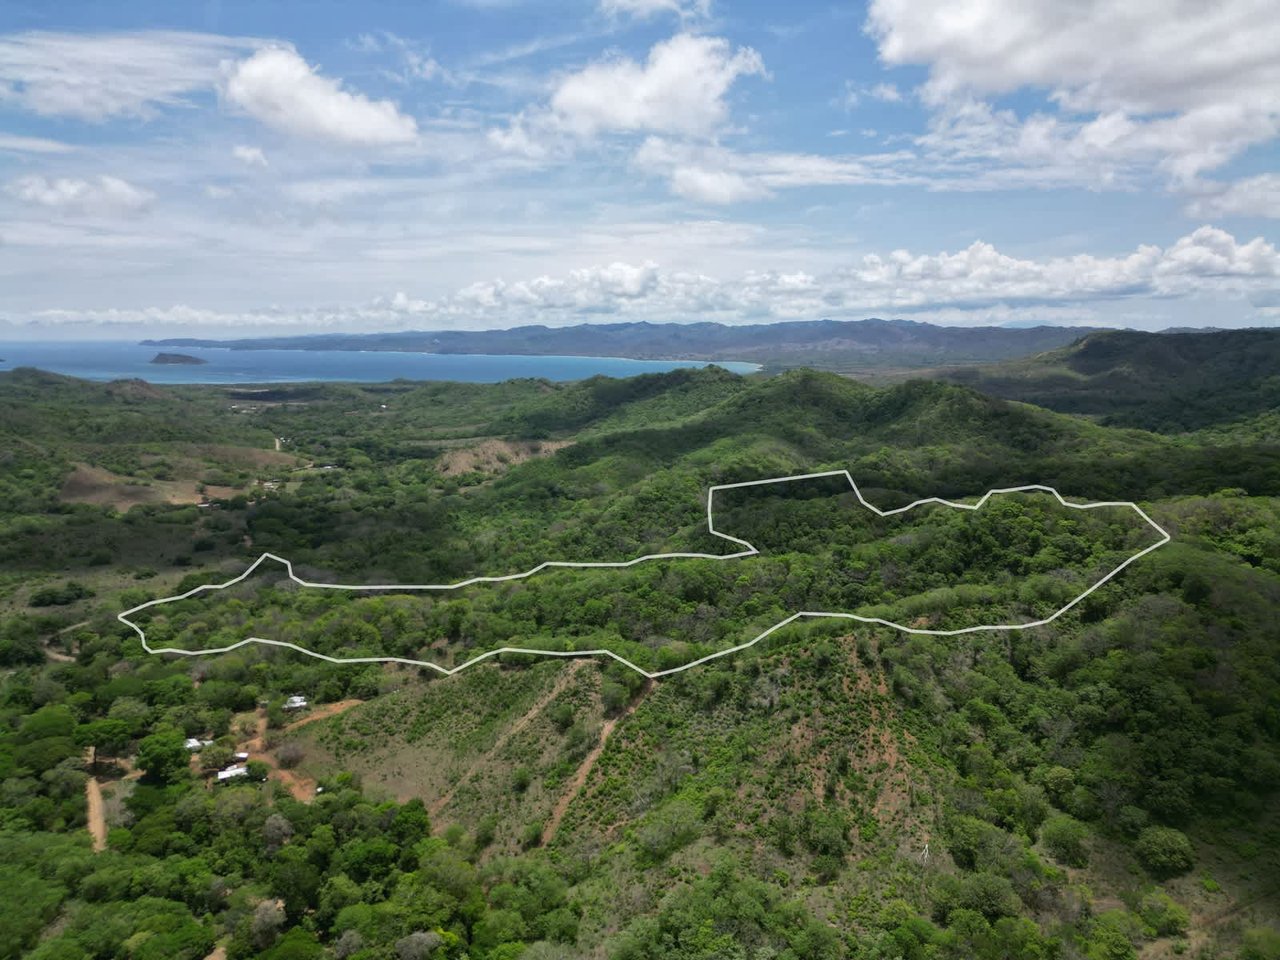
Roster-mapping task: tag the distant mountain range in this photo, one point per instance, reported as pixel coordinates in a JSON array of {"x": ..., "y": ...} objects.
[
  {"x": 1170, "y": 381},
  {"x": 839, "y": 345}
]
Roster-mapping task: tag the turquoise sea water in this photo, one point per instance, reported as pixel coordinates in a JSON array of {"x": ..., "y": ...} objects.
[{"x": 115, "y": 360}]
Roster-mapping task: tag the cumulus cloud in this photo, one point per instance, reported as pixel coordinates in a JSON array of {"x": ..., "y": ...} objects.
[
  {"x": 969, "y": 285},
  {"x": 279, "y": 88},
  {"x": 680, "y": 89},
  {"x": 99, "y": 76},
  {"x": 1189, "y": 85},
  {"x": 1252, "y": 197},
  {"x": 101, "y": 195},
  {"x": 978, "y": 277},
  {"x": 252, "y": 156}
]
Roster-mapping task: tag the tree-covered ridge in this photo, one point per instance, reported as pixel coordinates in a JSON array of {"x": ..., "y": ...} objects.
[
  {"x": 1019, "y": 559},
  {"x": 1102, "y": 787},
  {"x": 1170, "y": 382}
]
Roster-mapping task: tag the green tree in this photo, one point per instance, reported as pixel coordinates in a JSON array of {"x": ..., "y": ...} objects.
[{"x": 162, "y": 755}]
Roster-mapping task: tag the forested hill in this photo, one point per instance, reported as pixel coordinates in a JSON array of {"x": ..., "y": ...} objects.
[
  {"x": 1083, "y": 790},
  {"x": 1170, "y": 382},
  {"x": 822, "y": 344}
]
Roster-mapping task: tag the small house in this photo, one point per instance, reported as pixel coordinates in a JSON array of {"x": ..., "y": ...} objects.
[
  {"x": 232, "y": 773},
  {"x": 296, "y": 703}
]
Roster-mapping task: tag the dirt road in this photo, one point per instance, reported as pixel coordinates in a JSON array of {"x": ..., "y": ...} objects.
[
  {"x": 323, "y": 713},
  {"x": 97, "y": 815}
]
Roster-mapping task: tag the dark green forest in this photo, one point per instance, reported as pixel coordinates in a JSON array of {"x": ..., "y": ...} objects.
[
  {"x": 1100, "y": 788},
  {"x": 1169, "y": 382}
]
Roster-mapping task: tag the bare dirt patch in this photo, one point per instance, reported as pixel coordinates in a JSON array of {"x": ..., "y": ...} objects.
[
  {"x": 100, "y": 487},
  {"x": 495, "y": 456},
  {"x": 324, "y": 712}
]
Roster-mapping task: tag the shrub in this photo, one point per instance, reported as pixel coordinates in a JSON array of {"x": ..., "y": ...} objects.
[
  {"x": 1165, "y": 852},
  {"x": 290, "y": 754},
  {"x": 1064, "y": 838},
  {"x": 59, "y": 596},
  {"x": 1165, "y": 918}
]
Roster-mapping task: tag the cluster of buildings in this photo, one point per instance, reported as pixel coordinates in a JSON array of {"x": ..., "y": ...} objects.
[{"x": 239, "y": 769}]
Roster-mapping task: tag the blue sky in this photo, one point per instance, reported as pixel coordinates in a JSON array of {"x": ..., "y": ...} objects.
[{"x": 233, "y": 168}]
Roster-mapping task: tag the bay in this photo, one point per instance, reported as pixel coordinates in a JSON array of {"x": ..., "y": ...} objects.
[{"x": 119, "y": 360}]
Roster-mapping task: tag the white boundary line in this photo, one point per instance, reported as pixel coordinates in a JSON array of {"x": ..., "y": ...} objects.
[{"x": 749, "y": 551}]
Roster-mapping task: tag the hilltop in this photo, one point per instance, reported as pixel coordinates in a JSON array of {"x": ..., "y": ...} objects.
[{"x": 1170, "y": 382}]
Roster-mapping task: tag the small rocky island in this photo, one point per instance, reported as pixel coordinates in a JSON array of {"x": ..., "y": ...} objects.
[{"x": 175, "y": 358}]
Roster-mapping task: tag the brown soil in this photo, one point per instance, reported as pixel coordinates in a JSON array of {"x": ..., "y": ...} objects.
[
  {"x": 96, "y": 815},
  {"x": 100, "y": 487},
  {"x": 57, "y": 655},
  {"x": 588, "y": 764},
  {"x": 302, "y": 787},
  {"x": 323, "y": 713},
  {"x": 539, "y": 705},
  {"x": 494, "y": 456}
]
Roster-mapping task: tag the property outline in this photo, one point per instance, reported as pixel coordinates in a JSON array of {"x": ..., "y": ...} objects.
[{"x": 749, "y": 551}]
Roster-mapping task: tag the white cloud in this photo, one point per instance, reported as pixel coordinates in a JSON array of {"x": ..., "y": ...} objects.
[
  {"x": 416, "y": 62},
  {"x": 714, "y": 174},
  {"x": 714, "y": 186},
  {"x": 99, "y": 76},
  {"x": 1186, "y": 86},
  {"x": 853, "y": 94},
  {"x": 280, "y": 89},
  {"x": 16, "y": 144},
  {"x": 1252, "y": 197},
  {"x": 886, "y": 93},
  {"x": 101, "y": 195},
  {"x": 974, "y": 285},
  {"x": 979, "y": 277},
  {"x": 644, "y": 9},
  {"x": 680, "y": 89},
  {"x": 252, "y": 156}
]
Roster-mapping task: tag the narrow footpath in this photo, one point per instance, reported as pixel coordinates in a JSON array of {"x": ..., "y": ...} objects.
[
  {"x": 588, "y": 764},
  {"x": 539, "y": 705}
]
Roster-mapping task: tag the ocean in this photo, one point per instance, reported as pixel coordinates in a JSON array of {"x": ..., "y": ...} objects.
[{"x": 117, "y": 360}]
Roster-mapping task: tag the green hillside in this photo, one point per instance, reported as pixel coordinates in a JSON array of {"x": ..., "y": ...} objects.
[
  {"x": 1102, "y": 787},
  {"x": 1169, "y": 382}
]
